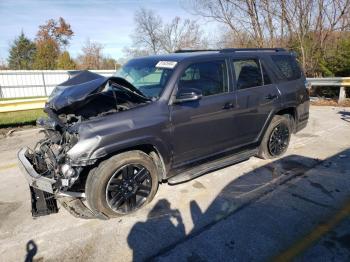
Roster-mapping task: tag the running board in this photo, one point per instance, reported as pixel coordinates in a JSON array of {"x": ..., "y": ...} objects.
[{"x": 211, "y": 166}]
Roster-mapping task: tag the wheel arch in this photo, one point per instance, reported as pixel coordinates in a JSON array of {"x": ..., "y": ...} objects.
[
  {"x": 280, "y": 111},
  {"x": 291, "y": 111},
  {"x": 159, "y": 156}
]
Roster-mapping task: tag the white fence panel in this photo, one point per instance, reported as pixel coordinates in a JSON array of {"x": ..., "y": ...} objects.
[{"x": 26, "y": 83}]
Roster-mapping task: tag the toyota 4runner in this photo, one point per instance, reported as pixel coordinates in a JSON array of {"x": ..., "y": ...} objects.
[{"x": 110, "y": 141}]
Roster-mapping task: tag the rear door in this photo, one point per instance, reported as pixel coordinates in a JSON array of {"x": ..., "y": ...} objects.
[
  {"x": 257, "y": 97},
  {"x": 204, "y": 127}
]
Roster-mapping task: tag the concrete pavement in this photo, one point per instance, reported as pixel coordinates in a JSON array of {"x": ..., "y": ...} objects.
[{"x": 254, "y": 211}]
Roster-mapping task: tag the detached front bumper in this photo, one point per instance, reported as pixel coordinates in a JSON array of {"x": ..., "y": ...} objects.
[
  {"x": 34, "y": 179},
  {"x": 45, "y": 193},
  {"x": 41, "y": 188}
]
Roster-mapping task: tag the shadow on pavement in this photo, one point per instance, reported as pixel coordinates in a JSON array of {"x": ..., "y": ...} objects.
[
  {"x": 164, "y": 229},
  {"x": 32, "y": 249},
  {"x": 344, "y": 115},
  {"x": 162, "y": 222}
]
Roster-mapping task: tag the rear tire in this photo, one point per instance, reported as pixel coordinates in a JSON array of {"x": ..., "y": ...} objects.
[
  {"x": 276, "y": 138},
  {"x": 122, "y": 184}
]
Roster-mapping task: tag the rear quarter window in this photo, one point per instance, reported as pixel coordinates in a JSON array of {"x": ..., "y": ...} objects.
[{"x": 288, "y": 66}]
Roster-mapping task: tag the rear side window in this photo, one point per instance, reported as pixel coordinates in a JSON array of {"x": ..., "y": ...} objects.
[
  {"x": 288, "y": 66},
  {"x": 209, "y": 77},
  {"x": 248, "y": 73}
]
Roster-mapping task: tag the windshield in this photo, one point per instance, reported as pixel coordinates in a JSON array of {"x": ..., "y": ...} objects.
[{"x": 148, "y": 76}]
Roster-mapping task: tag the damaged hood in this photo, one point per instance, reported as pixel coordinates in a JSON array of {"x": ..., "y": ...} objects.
[{"x": 82, "y": 85}]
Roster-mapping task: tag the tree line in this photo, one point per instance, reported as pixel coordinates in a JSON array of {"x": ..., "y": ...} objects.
[
  {"x": 48, "y": 51},
  {"x": 318, "y": 31}
]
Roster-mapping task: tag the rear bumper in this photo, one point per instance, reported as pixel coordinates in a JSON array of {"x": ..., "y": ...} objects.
[{"x": 34, "y": 179}]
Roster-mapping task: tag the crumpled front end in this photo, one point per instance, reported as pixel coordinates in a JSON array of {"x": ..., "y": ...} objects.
[
  {"x": 51, "y": 177},
  {"x": 56, "y": 168}
]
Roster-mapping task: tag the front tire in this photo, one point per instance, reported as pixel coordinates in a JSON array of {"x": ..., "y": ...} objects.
[
  {"x": 122, "y": 184},
  {"x": 276, "y": 138}
]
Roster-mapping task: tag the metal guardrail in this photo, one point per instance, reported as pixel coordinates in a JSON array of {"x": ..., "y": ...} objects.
[
  {"x": 330, "y": 81},
  {"x": 340, "y": 82},
  {"x": 22, "y": 104}
]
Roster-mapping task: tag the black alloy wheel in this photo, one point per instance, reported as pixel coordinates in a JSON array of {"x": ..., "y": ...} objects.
[
  {"x": 279, "y": 140},
  {"x": 128, "y": 188}
]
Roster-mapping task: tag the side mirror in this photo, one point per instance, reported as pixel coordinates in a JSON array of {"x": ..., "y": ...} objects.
[{"x": 187, "y": 95}]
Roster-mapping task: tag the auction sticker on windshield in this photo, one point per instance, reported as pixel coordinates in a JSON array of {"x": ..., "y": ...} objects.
[{"x": 166, "y": 64}]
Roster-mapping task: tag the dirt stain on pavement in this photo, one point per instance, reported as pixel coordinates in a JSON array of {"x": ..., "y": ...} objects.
[
  {"x": 6, "y": 208},
  {"x": 306, "y": 135},
  {"x": 198, "y": 185}
]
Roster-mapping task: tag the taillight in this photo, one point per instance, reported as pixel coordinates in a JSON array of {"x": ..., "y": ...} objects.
[{"x": 308, "y": 87}]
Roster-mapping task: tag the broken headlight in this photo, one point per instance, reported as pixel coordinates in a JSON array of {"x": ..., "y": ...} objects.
[{"x": 81, "y": 150}]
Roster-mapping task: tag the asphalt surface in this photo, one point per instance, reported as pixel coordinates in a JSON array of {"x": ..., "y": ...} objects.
[{"x": 294, "y": 208}]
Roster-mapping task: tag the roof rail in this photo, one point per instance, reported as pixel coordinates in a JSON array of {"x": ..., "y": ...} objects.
[
  {"x": 195, "y": 50},
  {"x": 228, "y": 50}
]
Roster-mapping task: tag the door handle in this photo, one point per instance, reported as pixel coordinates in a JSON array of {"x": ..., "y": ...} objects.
[
  {"x": 228, "y": 105},
  {"x": 270, "y": 97}
]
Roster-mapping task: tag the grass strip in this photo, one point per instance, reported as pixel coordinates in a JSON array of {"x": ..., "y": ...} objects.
[{"x": 20, "y": 118}]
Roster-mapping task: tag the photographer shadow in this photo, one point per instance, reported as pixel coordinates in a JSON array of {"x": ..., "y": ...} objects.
[{"x": 163, "y": 224}]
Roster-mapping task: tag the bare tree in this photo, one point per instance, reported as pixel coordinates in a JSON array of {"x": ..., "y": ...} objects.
[
  {"x": 91, "y": 57},
  {"x": 152, "y": 36},
  {"x": 309, "y": 23},
  {"x": 148, "y": 26},
  {"x": 136, "y": 51},
  {"x": 252, "y": 17},
  {"x": 227, "y": 39},
  {"x": 180, "y": 34}
]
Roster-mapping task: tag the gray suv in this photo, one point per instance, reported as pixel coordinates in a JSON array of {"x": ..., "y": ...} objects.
[{"x": 110, "y": 141}]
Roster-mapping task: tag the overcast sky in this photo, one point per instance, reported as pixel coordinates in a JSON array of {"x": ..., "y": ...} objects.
[{"x": 109, "y": 22}]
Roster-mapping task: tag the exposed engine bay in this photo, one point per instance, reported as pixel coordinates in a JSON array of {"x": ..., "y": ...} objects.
[{"x": 83, "y": 97}]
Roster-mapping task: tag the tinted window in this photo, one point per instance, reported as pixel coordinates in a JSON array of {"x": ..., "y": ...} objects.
[
  {"x": 247, "y": 73},
  {"x": 288, "y": 66},
  {"x": 209, "y": 77}
]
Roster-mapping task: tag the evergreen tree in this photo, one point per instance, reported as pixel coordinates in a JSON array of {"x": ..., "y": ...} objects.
[
  {"x": 46, "y": 55},
  {"x": 22, "y": 53},
  {"x": 337, "y": 61},
  {"x": 65, "y": 62},
  {"x": 109, "y": 63}
]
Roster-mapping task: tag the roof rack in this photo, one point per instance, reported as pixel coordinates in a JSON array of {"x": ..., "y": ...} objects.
[
  {"x": 195, "y": 50},
  {"x": 229, "y": 50}
]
